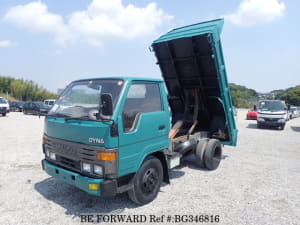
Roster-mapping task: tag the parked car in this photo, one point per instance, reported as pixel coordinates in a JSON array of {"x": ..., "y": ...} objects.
[
  {"x": 294, "y": 112},
  {"x": 4, "y": 106},
  {"x": 272, "y": 113},
  {"x": 251, "y": 114},
  {"x": 234, "y": 111},
  {"x": 36, "y": 108},
  {"x": 49, "y": 102},
  {"x": 16, "y": 106}
]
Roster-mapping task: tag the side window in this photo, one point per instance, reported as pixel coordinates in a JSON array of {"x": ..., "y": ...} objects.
[{"x": 141, "y": 98}]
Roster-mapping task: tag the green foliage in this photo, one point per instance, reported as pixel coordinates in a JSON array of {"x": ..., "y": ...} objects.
[
  {"x": 8, "y": 97},
  {"x": 241, "y": 96},
  {"x": 291, "y": 96},
  {"x": 25, "y": 90}
]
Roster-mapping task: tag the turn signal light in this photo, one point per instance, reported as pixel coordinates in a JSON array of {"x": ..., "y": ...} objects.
[
  {"x": 107, "y": 156},
  {"x": 94, "y": 187}
]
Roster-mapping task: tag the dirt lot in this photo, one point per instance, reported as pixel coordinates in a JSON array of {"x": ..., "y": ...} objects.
[{"x": 258, "y": 182}]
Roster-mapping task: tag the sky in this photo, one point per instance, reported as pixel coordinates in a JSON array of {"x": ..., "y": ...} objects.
[{"x": 54, "y": 42}]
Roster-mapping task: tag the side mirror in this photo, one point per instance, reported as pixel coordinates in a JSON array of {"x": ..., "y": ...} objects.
[{"x": 106, "y": 106}]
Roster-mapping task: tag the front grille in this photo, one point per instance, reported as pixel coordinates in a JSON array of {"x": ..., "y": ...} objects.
[
  {"x": 70, "y": 155},
  {"x": 69, "y": 163},
  {"x": 271, "y": 119}
]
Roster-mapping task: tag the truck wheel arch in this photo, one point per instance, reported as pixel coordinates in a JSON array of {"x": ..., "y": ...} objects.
[{"x": 160, "y": 155}]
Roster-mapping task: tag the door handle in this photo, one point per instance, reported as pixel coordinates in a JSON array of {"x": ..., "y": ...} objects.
[{"x": 161, "y": 127}]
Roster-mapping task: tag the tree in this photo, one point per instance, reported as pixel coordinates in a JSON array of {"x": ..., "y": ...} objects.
[
  {"x": 25, "y": 90},
  {"x": 291, "y": 96},
  {"x": 242, "y": 96}
]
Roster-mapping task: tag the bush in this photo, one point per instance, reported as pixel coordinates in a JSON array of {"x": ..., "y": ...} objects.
[{"x": 24, "y": 90}]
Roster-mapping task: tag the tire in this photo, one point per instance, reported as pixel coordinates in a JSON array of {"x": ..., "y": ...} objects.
[
  {"x": 213, "y": 154},
  {"x": 199, "y": 153},
  {"x": 147, "y": 181},
  {"x": 282, "y": 127},
  {"x": 259, "y": 125},
  {"x": 3, "y": 114}
]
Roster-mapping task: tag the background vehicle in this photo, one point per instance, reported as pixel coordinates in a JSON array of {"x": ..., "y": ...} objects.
[
  {"x": 251, "y": 114},
  {"x": 234, "y": 111},
  {"x": 272, "y": 113},
  {"x": 49, "y": 102},
  {"x": 294, "y": 112},
  {"x": 36, "y": 108},
  {"x": 16, "y": 106},
  {"x": 113, "y": 135},
  {"x": 4, "y": 106}
]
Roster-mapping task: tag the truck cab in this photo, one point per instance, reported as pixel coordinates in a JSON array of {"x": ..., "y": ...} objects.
[{"x": 123, "y": 134}]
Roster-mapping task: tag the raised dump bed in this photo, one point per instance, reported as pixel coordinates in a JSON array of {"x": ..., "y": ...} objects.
[{"x": 192, "y": 65}]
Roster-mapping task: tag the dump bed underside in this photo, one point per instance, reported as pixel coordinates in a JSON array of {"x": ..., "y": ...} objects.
[{"x": 191, "y": 72}]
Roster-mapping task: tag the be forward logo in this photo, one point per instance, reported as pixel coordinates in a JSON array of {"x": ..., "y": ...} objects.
[{"x": 96, "y": 140}]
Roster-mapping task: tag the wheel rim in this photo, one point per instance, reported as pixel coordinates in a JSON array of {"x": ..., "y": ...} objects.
[
  {"x": 217, "y": 155},
  {"x": 150, "y": 181}
]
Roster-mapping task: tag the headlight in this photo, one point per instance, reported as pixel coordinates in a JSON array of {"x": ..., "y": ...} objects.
[
  {"x": 47, "y": 153},
  {"x": 86, "y": 167},
  {"x": 52, "y": 156},
  {"x": 98, "y": 170},
  {"x": 282, "y": 120},
  {"x": 260, "y": 119}
]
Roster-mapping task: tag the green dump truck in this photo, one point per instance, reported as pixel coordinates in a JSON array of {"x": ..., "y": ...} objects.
[{"x": 123, "y": 134}]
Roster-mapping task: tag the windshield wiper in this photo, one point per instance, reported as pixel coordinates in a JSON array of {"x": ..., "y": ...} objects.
[
  {"x": 68, "y": 117},
  {"x": 76, "y": 118}
]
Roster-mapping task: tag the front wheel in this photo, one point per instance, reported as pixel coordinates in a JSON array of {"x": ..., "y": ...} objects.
[
  {"x": 147, "y": 181},
  {"x": 3, "y": 114}
]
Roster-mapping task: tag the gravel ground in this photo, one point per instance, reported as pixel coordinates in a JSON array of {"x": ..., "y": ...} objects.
[{"x": 258, "y": 182}]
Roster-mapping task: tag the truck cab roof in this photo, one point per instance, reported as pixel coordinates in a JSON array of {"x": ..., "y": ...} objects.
[{"x": 126, "y": 78}]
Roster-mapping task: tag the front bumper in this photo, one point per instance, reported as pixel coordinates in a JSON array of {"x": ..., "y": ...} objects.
[
  {"x": 271, "y": 123},
  {"x": 3, "y": 110},
  {"x": 106, "y": 187}
]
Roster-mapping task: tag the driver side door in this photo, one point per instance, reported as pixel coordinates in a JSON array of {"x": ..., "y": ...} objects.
[{"x": 143, "y": 125}]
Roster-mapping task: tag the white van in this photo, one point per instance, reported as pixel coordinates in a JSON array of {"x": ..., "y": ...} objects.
[
  {"x": 4, "y": 106},
  {"x": 49, "y": 102},
  {"x": 272, "y": 113}
]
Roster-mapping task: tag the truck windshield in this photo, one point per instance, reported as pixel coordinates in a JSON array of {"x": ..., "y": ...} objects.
[
  {"x": 271, "y": 106},
  {"x": 81, "y": 99}
]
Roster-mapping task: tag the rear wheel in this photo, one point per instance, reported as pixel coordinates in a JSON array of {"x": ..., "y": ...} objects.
[
  {"x": 199, "y": 153},
  {"x": 213, "y": 154},
  {"x": 147, "y": 181},
  {"x": 3, "y": 114}
]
